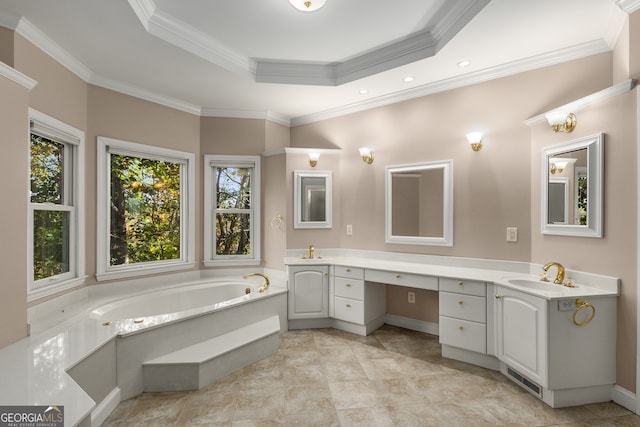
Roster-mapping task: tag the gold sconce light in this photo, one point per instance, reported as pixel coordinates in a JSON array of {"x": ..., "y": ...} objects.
[
  {"x": 557, "y": 166},
  {"x": 313, "y": 158},
  {"x": 475, "y": 140},
  {"x": 367, "y": 154},
  {"x": 561, "y": 121},
  {"x": 307, "y": 5}
]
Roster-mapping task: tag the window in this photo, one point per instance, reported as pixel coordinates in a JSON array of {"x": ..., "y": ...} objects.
[
  {"x": 146, "y": 214},
  {"x": 56, "y": 216},
  {"x": 232, "y": 210}
]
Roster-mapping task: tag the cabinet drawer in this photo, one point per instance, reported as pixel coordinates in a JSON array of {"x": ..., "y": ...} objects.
[
  {"x": 349, "y": 310},
  {"x": 460, "y": 286},
  {"x": 464, "y": 307},
  {"x": 349, "y": 288},
  {"x": 349, "y": 272},
  {"x": 463, "y": 334},
  {"x": 403, "y": 279}
]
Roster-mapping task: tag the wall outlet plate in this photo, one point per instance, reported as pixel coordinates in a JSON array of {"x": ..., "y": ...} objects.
[
  {"x": 566, "y": 304},
  {"x": 411, "y": 297},
  {"x": 512, "y": 234}
]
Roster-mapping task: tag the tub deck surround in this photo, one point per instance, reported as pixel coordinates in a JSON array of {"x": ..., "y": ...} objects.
[
  {"x": 483, "y": 270},
  {"x": 34, "y": 370}
]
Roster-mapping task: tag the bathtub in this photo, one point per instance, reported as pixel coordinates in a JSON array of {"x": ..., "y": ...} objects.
[{"x": 154, "y": 323}]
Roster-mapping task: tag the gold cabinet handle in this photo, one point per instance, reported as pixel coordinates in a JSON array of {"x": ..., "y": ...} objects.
[
  {"x": 348, "y": 305},
  {"x": 460, "y": 327},
  {"x": 348, "y": 285},
  {"x": 460, "y": 302},
  {"x": 397, "y": 276},
  {"x": 498, "y": 297},
  {"x": 326, "y": 274},
  {"x": 460, "y": 283},
  {"x": 348, "y": 270}
]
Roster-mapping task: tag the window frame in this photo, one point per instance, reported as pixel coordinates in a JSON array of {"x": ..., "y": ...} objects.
[
  {"x": 210, "y": 163},
  {"x": 73, "y": 141},
  {"x": 104, "y": 269}
]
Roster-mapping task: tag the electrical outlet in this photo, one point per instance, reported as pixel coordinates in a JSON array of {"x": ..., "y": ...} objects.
[
  {"x": 512, "y": 234},
  {"x": 349, "y": 229},
  {"x": 411, "y": 297}
]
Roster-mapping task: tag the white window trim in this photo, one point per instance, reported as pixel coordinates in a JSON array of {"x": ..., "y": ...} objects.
[
  {"x": 76, "y": 277},
  {"x": 210, "y": 260},
  {"x": 104, "y": 271}
]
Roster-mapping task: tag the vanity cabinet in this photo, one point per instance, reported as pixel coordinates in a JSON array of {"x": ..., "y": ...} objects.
[
  {"x": 358, "y": 306},
  {"x": 308, "y": 292},
  {"x": 463, "y": 314},
  {"x": 521, "y": 328}
]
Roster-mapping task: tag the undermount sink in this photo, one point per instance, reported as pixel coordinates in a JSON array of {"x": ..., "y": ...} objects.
[{"x": 537, "y": 284}]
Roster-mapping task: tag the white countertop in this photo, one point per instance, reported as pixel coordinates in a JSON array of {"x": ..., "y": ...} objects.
[{"x": 490, "y": 271}]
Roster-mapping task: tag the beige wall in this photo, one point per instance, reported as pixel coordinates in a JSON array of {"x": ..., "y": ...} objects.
[
  {"x": 14, "y": 174},
  {"x": 615, "y": 254},
  {"x": 6, "y": 46},
  {"x": 274, "y": 218}
]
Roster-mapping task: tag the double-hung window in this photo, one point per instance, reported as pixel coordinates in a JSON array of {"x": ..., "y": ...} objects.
[
  {"x": 232, "y": 210},
  {"x": 56, "y": 218},
  {"x": 145, "y": 209}
]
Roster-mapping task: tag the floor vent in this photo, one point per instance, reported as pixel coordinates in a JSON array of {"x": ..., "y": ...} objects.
[{"x": 529, "y": 385}]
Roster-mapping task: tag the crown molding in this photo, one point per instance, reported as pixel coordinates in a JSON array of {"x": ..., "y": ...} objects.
[
  {"x": 172, "y": 30},
  {"x": 586, "y": 101},
  {"x": 300, "y": 150},
  {"x": 17, "y": 77},
  {"x": 532, "y": 63},
  {"x": 247, "y": 114},
  {"x": 145, "y": 95},
  {"x": 629, "y": 6},
  {"x": 27, "y": 30}
]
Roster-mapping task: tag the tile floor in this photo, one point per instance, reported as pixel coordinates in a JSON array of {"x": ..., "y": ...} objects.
[{"x": 326, "y": 377}]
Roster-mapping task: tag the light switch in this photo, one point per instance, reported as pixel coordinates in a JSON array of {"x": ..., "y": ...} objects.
[{"x": 512, "y": 234}]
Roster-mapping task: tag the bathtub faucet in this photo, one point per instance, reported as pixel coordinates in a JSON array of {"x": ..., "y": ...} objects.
[{"x": 264, "y": 285}]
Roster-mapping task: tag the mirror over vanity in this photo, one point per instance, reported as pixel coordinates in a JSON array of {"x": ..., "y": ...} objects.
[
  {"x": 572, "y": 176},
  {"x": 419, "y": 204},
  {"x": 312, "y": 199}
]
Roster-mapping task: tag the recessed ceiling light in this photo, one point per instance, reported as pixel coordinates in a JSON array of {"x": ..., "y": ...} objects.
[
  {"x": 408, "y": 79},
  {"x": 363, "y": 92},
  {"x": 464, "y": 63}
]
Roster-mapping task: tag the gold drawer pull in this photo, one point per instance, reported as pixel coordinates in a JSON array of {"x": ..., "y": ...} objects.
[
  {"x": 460, "y": 283},
  {"x": 348, "y": 285},
  {"x": 461, "y": 327},
  {"x": 348, "y": 270},
  {"x": 460, "y": 302},
  {"x": 348, "y": 305},
  {"x": 398, "y": 276},
  {"x": 498, "y": 297}
]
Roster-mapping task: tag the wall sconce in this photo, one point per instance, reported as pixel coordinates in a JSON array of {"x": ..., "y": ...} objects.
[
  {"x": 313, "y": 159},
  {"x": 366, "y": 154},
  {"x": 557, "y": 167},
  {"x": 475, "y": 140},
  {"x": 560, "y": 121}
]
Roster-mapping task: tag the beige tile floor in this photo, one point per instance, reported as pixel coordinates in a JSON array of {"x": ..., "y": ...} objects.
[{"x": 394, "y": 377}]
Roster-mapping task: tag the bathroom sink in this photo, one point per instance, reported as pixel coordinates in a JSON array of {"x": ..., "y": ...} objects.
[{"x": 537, "y": 285}]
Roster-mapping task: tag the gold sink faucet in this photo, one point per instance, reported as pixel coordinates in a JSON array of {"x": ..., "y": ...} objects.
[
  {"x": 311, "y": 249},
  {"x": 559, "y": 276},
  {"x": 264, "y": 285}
]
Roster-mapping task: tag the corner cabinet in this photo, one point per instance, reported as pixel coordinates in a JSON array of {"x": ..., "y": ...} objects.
[{"x": 308, "y": 292}]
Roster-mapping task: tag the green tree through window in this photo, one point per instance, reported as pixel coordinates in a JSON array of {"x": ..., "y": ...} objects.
[{"x": 145, "y": 210}]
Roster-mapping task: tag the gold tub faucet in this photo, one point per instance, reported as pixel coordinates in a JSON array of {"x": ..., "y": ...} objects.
[
  {"x": 264, "y": 285},
  {"x": 560, "y": 275}
]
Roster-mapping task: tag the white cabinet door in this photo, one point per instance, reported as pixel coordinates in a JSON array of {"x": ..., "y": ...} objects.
[
  {"x": 308, "y": 292},
  {"x": 521, "y": 326}
]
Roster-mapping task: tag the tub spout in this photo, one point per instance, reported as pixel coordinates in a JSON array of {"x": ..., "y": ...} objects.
[{"x": 264, "y": 285}]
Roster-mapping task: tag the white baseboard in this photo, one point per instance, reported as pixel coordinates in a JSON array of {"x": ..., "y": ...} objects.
[
  {"x": 105, "y": 408},
  {"x": 413, "y": 324},
  {"x": 624, "y": 397}
]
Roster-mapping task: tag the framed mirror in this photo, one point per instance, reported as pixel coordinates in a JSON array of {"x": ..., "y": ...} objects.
[
  {"x": 419, "y": 204},
  {"x": 312, "y": 199},
  {"x": 572, "y": 179}
]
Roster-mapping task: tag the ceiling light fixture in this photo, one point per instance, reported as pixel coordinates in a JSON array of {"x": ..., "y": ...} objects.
[
  {"x": 464, "y": 63},
  {"x": 307, "y": 5},
  {"x": 363, "y": 91},
  {"x": 408, "y": 79}
]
